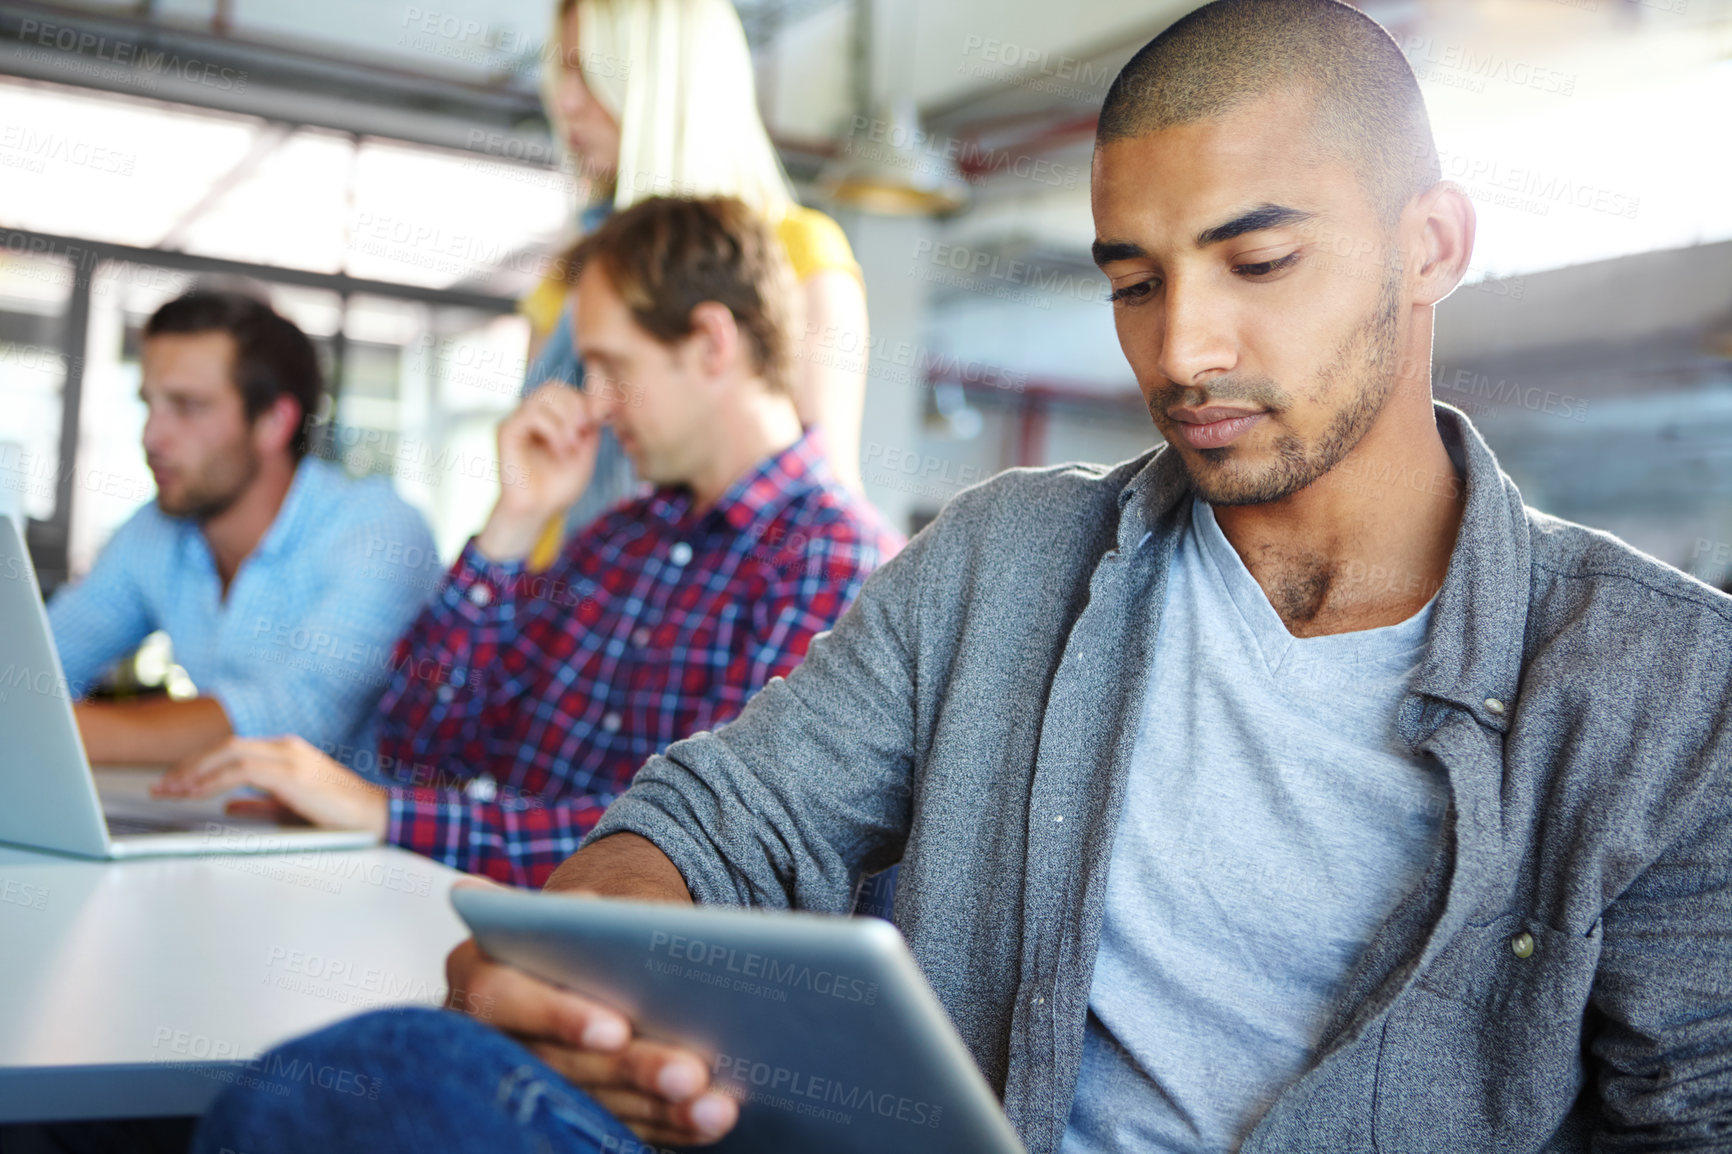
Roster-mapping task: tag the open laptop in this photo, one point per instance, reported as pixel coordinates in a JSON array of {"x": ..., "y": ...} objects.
[{"x": 48, "y": 795}]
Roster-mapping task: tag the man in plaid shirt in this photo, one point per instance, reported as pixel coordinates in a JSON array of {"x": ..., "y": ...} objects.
[{"x": 523, "y": 702}]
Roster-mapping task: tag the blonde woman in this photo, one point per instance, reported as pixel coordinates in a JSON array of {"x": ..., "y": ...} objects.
[{"x": 656, "y": 97}]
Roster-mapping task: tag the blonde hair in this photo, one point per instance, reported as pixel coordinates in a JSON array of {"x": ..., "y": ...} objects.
[{"x": 677, "y": 77}]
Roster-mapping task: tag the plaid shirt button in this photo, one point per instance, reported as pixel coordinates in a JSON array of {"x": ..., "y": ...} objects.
[
  {"x": 640, "y": 637},
  {"x": 611, "y": 722},
  {"x": 480, "y": 594},
  {"x": 680, "y": 553}
]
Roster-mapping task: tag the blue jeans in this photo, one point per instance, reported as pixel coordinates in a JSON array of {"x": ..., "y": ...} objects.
[{"x": 407, "y": 1080}]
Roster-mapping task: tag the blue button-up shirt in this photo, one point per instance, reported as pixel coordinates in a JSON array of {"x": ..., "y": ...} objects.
[{"x": 302, "y": 643}]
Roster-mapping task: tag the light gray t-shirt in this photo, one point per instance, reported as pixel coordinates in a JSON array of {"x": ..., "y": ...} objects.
[{"x": 1273, "y": 819}]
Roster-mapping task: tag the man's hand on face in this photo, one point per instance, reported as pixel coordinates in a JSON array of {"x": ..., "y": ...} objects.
[
  {"x": 298, "y": 777},
  {"x": 660, "y": 1091},
  {"x": 547, "y": 451}
]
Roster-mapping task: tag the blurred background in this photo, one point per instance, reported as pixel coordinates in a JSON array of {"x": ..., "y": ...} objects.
[{"x": 384, "y": 172}]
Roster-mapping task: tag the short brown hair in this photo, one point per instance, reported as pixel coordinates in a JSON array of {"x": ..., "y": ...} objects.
[
  {"x": 273, "y": 358},
  {"x": 666, "y": 255}
]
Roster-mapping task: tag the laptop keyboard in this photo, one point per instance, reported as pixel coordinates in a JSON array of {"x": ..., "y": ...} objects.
[{"x": 122, "y": 826}]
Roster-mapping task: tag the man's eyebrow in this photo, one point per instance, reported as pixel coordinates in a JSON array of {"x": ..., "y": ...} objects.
[
  {"x": 1259, "y": 218},
  {"x": 1107, "y": 251}
]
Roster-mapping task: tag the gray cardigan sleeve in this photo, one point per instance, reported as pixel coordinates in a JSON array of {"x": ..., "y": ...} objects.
[{"x": 809, "y": 788}]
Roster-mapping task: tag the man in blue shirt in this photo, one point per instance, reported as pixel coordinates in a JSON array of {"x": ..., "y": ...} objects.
[{"x": 281, "y": 583}]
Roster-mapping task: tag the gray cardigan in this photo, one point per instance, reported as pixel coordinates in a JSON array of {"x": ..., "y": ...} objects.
[{"x": 972, "y": 715}]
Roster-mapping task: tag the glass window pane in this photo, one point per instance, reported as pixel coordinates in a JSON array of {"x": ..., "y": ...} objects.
[
  {"x": 428, "y": 217},
  {"x": 109, "y": 167},
  {"x": 422, "y": 390},
  {"x": 112, "y": 480},
  {"x": 34, "y": 291}
]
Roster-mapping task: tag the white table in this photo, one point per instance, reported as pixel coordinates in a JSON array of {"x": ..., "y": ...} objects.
[{"x": 139, "y": 988}]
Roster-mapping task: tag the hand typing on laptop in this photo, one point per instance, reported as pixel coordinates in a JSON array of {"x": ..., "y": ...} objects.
[
  {"x": 660, "y": 1091},
  {"x": 294, "y": 773}
]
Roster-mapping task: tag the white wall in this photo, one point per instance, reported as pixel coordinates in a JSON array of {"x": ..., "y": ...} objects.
[{"x": 896, "y": 308}]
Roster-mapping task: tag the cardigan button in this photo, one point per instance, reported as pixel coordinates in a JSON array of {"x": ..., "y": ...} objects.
[
  {"x": 1522, "y": 945},
  {"x": 1494, "y": 705}
]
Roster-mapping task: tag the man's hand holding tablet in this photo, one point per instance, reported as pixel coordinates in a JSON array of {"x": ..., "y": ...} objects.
[{"x": 660, "y": 1091}]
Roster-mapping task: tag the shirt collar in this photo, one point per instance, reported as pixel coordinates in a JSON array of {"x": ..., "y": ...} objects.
[
  {"x": 1479, "y": 618},
  {"x": 312, "y": 477},
  {"x": 1479, "y": 624},
  {"x": 764, "y": 491}
]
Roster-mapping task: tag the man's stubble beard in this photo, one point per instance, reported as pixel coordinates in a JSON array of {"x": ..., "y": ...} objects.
[
  {"x": 1371, "y": 350},
  {"x": 217, "y": 487}
]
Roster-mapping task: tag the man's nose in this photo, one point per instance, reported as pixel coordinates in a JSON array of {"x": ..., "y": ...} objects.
[
  {"x": 1196, "y": 342},
  {"x": 605, "y": 400},
  {"x": 155, "y": 437}
]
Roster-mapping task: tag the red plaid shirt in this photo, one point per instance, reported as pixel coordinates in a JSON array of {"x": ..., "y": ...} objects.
[{"x": 524, "y": 702}]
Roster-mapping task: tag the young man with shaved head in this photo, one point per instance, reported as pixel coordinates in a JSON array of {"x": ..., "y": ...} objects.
[{"x": 1212, "y": 840}]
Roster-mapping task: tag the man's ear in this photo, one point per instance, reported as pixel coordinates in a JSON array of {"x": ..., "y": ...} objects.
[
  {"x": 275, "y": 428},
  {"x": 716, "y": 338},
  {"x": 1440, "y": 224}
]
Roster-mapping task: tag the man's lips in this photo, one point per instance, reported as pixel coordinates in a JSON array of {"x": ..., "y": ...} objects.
[{"x": 1214, "y": 426}]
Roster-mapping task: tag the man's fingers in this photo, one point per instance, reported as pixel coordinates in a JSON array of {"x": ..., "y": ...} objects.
[
  {"x": 263, "y": 809},
  {"x": 557, "y": 440},
  {"x": 635, "y": 1108},
  {"x": 232, "y": 763},
  {"x": 656, "y": 1068},
  {"x": 218, "y": 780},
  {"x": 529, "y": 1007},
  {"x": 563, "y": 399},
  {"x": 554, "y": 426},
  {"x": 709, "y": 1116},
  {"x": 667, "y": 1073},
  {"x": 180, "y": 775},
  {"x": 534, "y": 429},
  {"x": 559, "y": 414},
  {"x": 590, "y": 1069},
  {"x": 697, "y": 1122},
  {"x": 652, "y": 1087}
]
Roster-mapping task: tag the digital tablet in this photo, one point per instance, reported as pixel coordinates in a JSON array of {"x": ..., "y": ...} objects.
[{"x": 822, "y": 1027}]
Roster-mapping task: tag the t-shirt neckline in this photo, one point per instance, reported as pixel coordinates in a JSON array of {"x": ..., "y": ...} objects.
[{"x": 1392, "y": 647}]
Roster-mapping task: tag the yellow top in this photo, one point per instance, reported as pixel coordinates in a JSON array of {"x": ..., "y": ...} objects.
[
  {"x": 814, "y": 244},
  {"x": 542, "y": 305}
]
